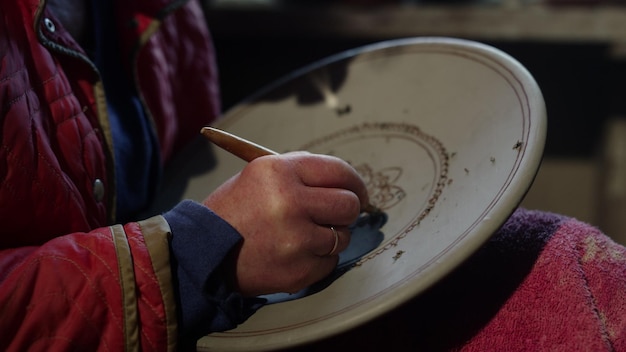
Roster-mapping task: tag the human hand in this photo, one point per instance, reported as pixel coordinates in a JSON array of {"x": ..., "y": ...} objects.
[{"x": 283, "y": 206}]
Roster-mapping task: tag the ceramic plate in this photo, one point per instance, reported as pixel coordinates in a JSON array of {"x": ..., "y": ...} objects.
[{"x": 448, "y": 135}]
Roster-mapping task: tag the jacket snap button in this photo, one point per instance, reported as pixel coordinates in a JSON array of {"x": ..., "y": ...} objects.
[
  {"x": 98, "y": 190},
  {"x": 49, "y": 25}
]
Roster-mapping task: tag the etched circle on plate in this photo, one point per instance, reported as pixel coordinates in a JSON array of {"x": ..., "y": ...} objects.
[{"x": 404, "y": 168}]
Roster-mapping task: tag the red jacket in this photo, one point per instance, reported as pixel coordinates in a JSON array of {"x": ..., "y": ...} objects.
[{"x": 61, "y": 261}]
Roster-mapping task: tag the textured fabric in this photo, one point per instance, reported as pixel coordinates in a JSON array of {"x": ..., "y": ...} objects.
[
  {"x": 137, "y": 160},
  {"x": 207, "y": 303},
  {"x": 67, "y": 278},
  {"x": 55, "y": 136},
  {"x": 51, "y": 150},
  {"x": 66, "y": 294},
  {"x": 544, "y": 282}
]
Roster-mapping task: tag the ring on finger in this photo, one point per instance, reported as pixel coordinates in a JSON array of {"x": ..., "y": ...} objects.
[{"x": 336, "y": 234}]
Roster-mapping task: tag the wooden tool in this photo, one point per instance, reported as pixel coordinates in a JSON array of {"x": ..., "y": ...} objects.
[{"x": 249, "y": 151}]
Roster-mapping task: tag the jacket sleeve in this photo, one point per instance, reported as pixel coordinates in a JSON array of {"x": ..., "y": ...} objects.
[
  {"x": 206, "y": 302},
  {"x": 109, "y": 289}
]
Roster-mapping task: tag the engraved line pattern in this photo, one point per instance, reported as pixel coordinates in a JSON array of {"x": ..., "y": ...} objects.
[
  {"x": 381, "y": 187},
  {"x": 516, "y": 84},
  {"x": 390, "y": 195}
]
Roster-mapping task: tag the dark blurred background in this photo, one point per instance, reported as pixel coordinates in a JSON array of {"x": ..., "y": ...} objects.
[{"x": 576, "y": 50}]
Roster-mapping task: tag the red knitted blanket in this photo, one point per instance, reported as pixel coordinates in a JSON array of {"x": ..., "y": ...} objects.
[{"x": 544, "y": 282}]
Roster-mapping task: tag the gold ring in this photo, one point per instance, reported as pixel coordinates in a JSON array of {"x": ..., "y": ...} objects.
[{"x": 336, "y": 234}]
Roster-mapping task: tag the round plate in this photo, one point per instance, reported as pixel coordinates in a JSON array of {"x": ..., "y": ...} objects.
[{"x": 448, "y": 135}]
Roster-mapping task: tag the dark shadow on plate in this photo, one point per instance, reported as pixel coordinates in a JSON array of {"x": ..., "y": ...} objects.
[
  {"x": 366, "y": 236},
  {"x": 454, "y": 310},
  {"x": 309, "y": 84}
]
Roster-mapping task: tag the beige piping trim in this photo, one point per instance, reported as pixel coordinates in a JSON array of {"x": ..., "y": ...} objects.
[
  {"x": 127, "y": 283},
  {"x": 156, "y": 233},
  {"x": 150, "y": 30}
]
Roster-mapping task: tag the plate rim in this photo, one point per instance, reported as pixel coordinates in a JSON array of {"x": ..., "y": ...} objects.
[{"x": 526, "y": 171}]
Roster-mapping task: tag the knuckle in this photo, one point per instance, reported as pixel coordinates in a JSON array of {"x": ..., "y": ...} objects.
[
  {"x": 290, "y": 247},
  {"x": 355, "y": 206},
  {"x": 348, "y": 206}
]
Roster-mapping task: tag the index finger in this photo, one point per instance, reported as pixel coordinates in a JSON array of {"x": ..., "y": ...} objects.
[{"x": 318, "y": 170}]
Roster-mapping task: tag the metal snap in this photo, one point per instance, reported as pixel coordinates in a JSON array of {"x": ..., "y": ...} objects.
[
  {"x": 49, "y": 25},
  {"x": 98, "y": 190}
]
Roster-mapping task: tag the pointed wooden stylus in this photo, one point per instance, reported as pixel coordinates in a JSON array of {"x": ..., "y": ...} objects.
[{"x": 249, "y": 151}]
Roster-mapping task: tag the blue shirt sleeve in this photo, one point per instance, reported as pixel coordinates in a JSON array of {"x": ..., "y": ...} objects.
[{"x": 201, "y": 241}]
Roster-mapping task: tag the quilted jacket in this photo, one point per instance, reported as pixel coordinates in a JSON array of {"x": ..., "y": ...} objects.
[{"x": 62, "y": 257}]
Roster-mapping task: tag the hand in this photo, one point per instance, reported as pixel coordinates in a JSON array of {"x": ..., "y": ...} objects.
[{"x": 283, "y": 206}]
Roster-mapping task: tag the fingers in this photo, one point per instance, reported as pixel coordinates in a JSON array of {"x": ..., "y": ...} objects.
[
  {"x": 332, "y": 206},
  {"x": 336, "y": 242},
  {"x": 284, "y": 207},
  {"x": 323, "y": 171},
  {"x": 329, "y": 241},
  {"x": 333, "y": 195}
]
